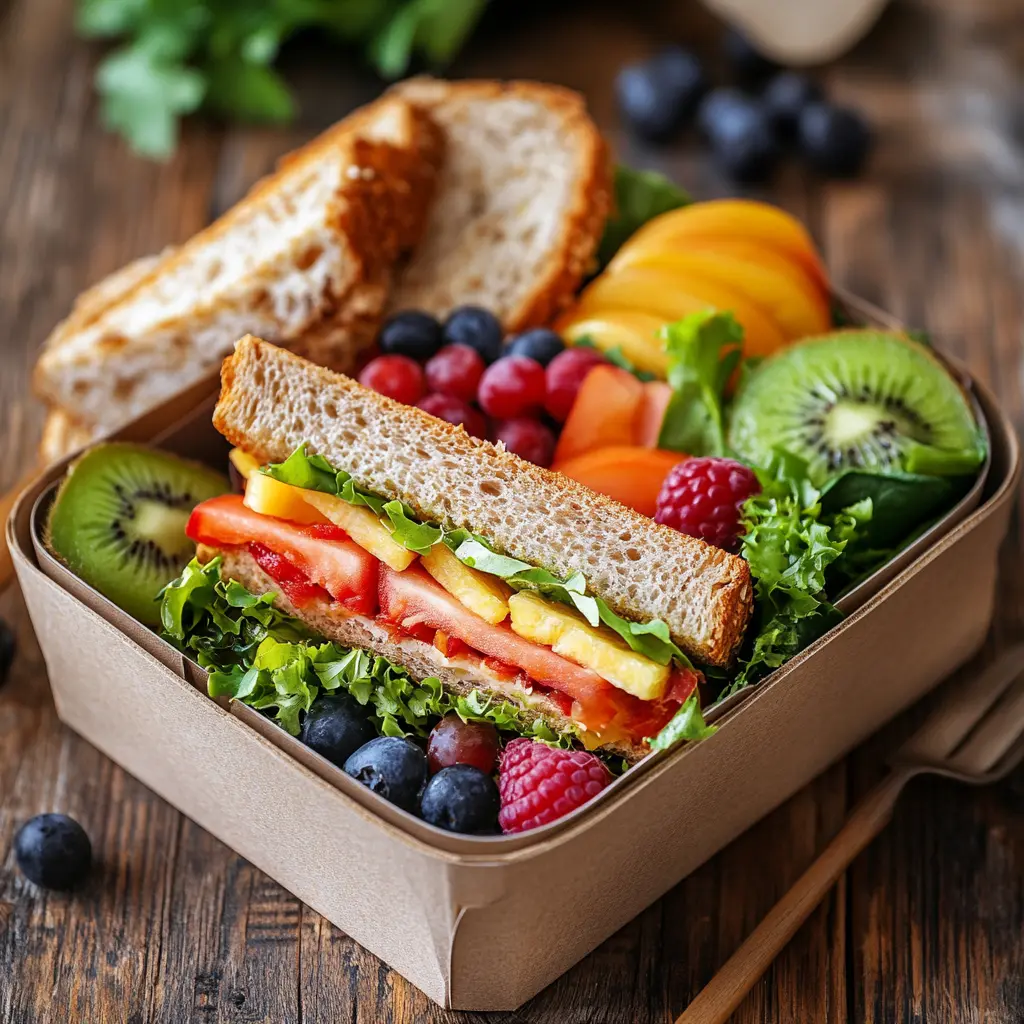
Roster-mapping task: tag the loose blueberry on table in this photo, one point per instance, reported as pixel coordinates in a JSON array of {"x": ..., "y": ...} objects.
[
  {"x": 658, "y": 96},
  {"x": 53, "y": 851}
]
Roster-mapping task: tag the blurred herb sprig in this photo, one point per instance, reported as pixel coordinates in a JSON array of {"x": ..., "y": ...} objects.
[{"x": 178, "y": 56}]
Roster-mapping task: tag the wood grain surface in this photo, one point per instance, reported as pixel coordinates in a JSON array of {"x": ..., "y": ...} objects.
[{"x": 928, "y": 926}]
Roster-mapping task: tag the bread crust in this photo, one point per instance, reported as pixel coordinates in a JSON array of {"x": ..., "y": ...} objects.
[
  {"x": 271, "y": 401},
  {"x": 393, "y": 151},
  {"x": 584, "y": 216},
  {"x": 61, "y": 436},
  {"x": 460, "y": 675}
]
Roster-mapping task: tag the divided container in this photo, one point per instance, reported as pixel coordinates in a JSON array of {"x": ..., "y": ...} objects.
[{"x": 440, "y": 908}]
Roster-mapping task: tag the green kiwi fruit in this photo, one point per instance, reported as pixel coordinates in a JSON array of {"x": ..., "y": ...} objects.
[
  {"x": 118, "y": 521},
  {"x": 857, "y": 399}
]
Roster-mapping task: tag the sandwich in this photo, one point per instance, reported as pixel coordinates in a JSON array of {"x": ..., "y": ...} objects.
[{"x": 427, "y": 570}]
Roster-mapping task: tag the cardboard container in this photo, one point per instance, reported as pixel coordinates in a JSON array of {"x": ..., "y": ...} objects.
[{"x": 439, "y": 907}]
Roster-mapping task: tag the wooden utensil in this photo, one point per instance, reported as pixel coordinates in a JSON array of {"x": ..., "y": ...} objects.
[
  {"x": 6, "y": 504},
  {"x": 973, "y": 736}
]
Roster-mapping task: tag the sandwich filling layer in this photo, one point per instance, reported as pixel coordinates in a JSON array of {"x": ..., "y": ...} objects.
[{"x": 343, "y": 555}]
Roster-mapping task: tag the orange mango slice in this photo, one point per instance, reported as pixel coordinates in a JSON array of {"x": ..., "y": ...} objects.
[
  {"x": 797, "y": 306},
  {"x": 630, "y": 475},
  {"x": 741, "y": 219},
  {"x": 671, "y": 296},
  {"x": 603, "y": 414}
]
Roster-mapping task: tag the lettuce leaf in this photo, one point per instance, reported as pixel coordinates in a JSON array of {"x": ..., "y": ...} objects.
[
  {"x": 687, "y": 725},
  {"x": 651, "y": 639},
  {"x": 639, "y": 197},
  {"x": 791, "y": 547},
  {"x": 703, "y": 351},
  {"x": 315, "y": 473},
  {"x": 270, "y": 661}
]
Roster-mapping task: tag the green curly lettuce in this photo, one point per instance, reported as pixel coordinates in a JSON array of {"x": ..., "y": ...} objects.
[{"x": 255, "y": 654}]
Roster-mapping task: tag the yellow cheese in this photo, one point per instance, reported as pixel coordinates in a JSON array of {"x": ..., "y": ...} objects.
[
  {"x": 245, "y": 463},
  {"x": 480, "y": 592},
  {"x": 567, "y": 633},
  {"x": 360, "y": 523},
  {"x": 270, "y": 497}
]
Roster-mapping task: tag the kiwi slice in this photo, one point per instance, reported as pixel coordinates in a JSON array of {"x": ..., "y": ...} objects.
[
  {"x": 857, "y": 399},
  {"x": 118, "y": 521}
]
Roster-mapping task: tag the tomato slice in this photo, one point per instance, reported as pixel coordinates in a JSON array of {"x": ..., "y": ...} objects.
[
  {"x": 289, "y": 577},
  {"x": 412, "y": 597},
  {"x": 322, "y": 553}
]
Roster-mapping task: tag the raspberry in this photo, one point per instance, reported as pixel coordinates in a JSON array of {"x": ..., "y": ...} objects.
[
  {"x": 529, "y": 439},
  {"x": 398, "y": 377},
  {"x": 455, "y": 370},
  {"x": 512, "y": 387},
  {"x": 539, "y": 784},
  {"x": 702, "y": 497},
  {"x": 454, "y": 410}
]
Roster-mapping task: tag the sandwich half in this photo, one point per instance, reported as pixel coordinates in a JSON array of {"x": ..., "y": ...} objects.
[{"x": 476, "y": 575}]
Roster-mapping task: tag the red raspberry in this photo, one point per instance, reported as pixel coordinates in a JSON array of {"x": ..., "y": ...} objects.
[
  {"x": 564, "y": 376},
  {"x": 398, "y": 377},
  {"x": 529, "y": 439},
  {"x": 454, "y": 410},
  {"x": 702, "y": 497},
  {"x": 539, "y": 784},
  {"x": 513, "y": 386},
  {"x": 455, "y": 370}
]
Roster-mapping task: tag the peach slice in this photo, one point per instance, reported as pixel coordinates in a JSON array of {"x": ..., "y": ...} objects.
[
  {"x": 630, "y": 475},
  {"x": 670, "y": 295},
  {"x": 650, "y": 414},
  {"x": 743, "y": 219},
  {"x": 604, "y": 413},
  {"x": 632, "y": 331},
  {"x": 799, "y": 308}
]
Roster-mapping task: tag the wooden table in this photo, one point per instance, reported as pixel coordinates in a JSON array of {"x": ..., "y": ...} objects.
[{"x": 174, "y": 926}]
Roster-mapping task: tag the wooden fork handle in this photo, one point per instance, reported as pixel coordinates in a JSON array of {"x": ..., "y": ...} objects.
[{"x": 726, "y": 990}]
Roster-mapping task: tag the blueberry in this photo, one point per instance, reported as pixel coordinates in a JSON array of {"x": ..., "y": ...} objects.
[
  {"x": 53, "y": 851},
  {"x": 833, "y": 140},
  {"x": 462, "y": 799},
  {"x": 336, "y": 727},
  {"x": 392, "y": 767},
  {"x": 478, "y": 328},
  {"x": 743, "y": 140},
  {"x": 716, "y": 106},
  {"x": 541, "y": 345},
  {"x": 412, "y": 333},
  {"x": 7, "y": 648},
  {"x": 657, "y": 97},
  {"x": 785, "y": 97},
  {"x": 749, "y": 65}
]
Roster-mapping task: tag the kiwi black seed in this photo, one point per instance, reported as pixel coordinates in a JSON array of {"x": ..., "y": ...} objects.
[
  {"x": 859, "y": 399},
  {"x": 118, "y": 521}
]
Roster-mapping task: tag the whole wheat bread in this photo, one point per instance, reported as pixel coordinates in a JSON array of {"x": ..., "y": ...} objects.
[
  {"x": 521, "y": 205},
  {"x": 272, "y": 401},
  {"x": 460, "y": 675},
  {"x": 305, "y": 258}
]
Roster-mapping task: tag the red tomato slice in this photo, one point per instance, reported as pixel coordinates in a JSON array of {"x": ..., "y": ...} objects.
[
  {"x": 411, "y": 597},
  {"x": 342, "y": 568},
  {"x": 292, "y": 580}
]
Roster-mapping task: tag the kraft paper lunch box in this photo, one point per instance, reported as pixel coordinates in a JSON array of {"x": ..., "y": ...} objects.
[{"x": 439, "y": 908}]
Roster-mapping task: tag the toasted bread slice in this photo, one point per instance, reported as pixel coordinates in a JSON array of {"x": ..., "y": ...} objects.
[
  {"x": 62, "y": 436},
  {"x": 272, "y": 401},
  {"x": 305, "y": 258},
  {"x": 521, "y": 205},
  {"x": 421, "y": 660}
]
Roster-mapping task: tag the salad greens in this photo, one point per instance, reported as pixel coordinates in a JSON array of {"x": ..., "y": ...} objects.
[
  {"x": 263, "y": 658},
  {"x": 314, "y": 472},
  {"x": 178, "y": 57}
]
